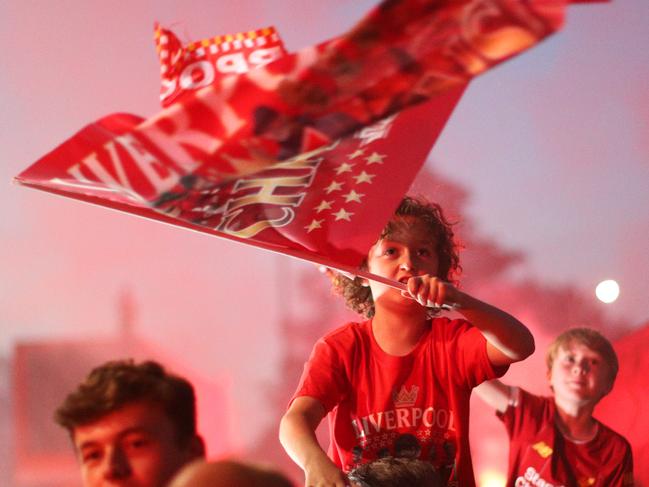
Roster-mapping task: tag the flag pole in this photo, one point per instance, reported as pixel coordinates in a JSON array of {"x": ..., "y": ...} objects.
[{"x": 352, "y": 272}]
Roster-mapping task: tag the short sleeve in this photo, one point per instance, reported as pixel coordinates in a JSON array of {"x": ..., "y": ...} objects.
[
  {"x": 324, "y": 377},
  {"x": 469, "y": 347},
  {"x": 529, "y": 413}
]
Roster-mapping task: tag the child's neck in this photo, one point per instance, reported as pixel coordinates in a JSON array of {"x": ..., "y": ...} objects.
[
  {"x": 576, "y": 422},
  {"x": 396, "y": 332}
]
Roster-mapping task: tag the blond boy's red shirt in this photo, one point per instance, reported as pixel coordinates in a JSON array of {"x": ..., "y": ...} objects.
[{"x": 539, "y": 453}]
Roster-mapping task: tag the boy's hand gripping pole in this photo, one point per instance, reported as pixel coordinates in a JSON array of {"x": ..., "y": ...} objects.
[{"x": 351, "y": 273}]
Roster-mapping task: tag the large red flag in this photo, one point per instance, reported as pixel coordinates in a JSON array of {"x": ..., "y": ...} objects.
[
  {"x": 326, "y": 206},
  {"x": 403, "y": 53},
  {"x": 238, "y": 158}
]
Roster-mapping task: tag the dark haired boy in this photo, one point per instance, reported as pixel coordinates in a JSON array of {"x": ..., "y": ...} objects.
[
  {"x": 131, "y": 425},
  {"x": 395, "y": 472},
  {"x": 403, "y": 373}
]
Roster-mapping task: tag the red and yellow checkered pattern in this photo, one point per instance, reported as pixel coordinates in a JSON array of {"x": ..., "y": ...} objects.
[{"x": 177, "y": 60}]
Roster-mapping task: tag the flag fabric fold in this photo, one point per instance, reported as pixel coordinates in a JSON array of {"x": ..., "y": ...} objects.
[
  {"x": 327, "y": 205},
  {"x": 308, "y": 154},
  {"x": 185, "y": 69}
]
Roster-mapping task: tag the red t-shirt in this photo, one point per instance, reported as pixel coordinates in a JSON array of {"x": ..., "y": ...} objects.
[
  {"x": 412, "y": 406},
  {"x": 539, "y": 455}
]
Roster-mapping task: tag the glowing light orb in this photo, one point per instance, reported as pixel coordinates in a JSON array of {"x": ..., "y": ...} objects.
[
  {"x": 492, "y": 478},
  {"x": 607, "y": 291}
]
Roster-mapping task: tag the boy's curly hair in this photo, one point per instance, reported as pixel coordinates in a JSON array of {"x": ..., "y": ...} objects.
[
  {"x": 118, "y": 383},
  {"x": 359, "y": 298}
]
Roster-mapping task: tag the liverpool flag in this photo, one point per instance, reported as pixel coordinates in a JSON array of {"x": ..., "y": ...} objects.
[{"x": 309, "y": 153}]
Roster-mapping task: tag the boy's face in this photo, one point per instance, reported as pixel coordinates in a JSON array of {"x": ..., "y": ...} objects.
[
  {"x": 408, "y": 251},
  {"x": 133, "y": 446},
  {"x": 579, "y": 374}
]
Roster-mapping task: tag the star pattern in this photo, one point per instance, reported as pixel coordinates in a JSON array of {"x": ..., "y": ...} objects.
[
  {"x": 380, "y": 440},
  {"x": 424, "y": 435},
  {"x": 343, "y": 215},
  {"x": 334, "y": 186},
  {"x": 313, "y": 225},
  {"x": 353, "y": 196},
  {"x": 345, "y": 176},
  {"x": 344, "y": 167},
  {"x": 375, "y": 158},
  {"x": 364, "y": 178},
  {"x": 324, "y": 205}
]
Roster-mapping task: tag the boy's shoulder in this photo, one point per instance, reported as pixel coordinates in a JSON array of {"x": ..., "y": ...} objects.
[
  {"x": 611, "y": 437},
  {"x": 607, "y": 437},
  {"x": 523, "y": 403},
  {"x": 350, "y": 331},
  {"x": 523, "y": 396}
]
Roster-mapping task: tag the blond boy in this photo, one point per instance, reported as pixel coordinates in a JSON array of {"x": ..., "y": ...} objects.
[{"x": 555, "y": 441}]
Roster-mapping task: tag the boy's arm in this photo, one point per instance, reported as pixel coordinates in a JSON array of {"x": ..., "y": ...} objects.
[
  {"x": 508, "y": 340},
  {"x": 297, "y": 436},
  {"x": 495, "y": 394}
]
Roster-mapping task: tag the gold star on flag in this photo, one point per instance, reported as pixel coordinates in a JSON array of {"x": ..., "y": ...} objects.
[
  {"x": 353, "y": 196},
  {"x": 334, "y": 186},
  {"x": 313, "y": 225},
  {"x": 375, "y": 158},
  {"x": 356, "y": 153},
  {"x": 364, "y": 178},
  {"x": 343, "y": 215},
  {"x": 344, "y": 167},
  {"x": 324, "y": 205}
]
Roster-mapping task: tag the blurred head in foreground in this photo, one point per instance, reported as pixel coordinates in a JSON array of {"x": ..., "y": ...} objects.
[
  {"x": 392, "y": 472},
  {"x": 228, "y": 473}
]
